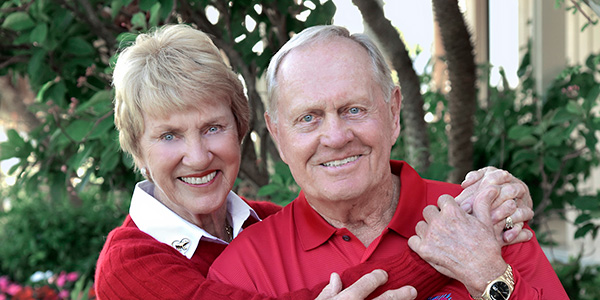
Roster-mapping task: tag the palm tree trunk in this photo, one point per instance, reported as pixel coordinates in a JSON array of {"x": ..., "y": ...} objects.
[
  {"x": 392, "y": 46},
  {"x": 462, "y": 96}
]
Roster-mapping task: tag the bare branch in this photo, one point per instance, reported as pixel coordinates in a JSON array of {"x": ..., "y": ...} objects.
[
  {"x": 582, "y": 12},
  {"x": 14, "y": 60}
]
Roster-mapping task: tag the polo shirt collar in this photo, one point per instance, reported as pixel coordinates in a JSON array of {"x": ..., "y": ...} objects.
[
  {"x": 313, "y": 230},
  {"x": 413, "y": 198},
  {"x": 164, "y": 225}
]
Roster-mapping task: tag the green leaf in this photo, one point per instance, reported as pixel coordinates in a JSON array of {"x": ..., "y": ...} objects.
[
  {"x": 593, "y": 94},
  {"x": 574, "y": 108},
  {"x": 522, "y": 156},
  {"x": 79, "y": 129},
  {"x": 139, "y": 20},
  {"x": 561, "y": 116},
  {"x": 39, "y": 34},
  {"x": 551, "y": 163},
  {"x": 554, "y": 136},
  {"x": 587, "y": 203},
  {"x": 267, "y": 190},
  {"x": 583, "y": 230},
  {"x": 526, "y": 141},
  {"x": 165, "y": 8},
  {"x": 146, "y": 5},
  {"x": 57, "y": 92},
  {"x": 15, "y": 138},
  {"x": 520, "y": 131},
  {"x": 36, "y": 65},
  {"x": 80, "y": 158},
  {"x": 99, "y": 99},
  {"x": 154, "y": 15},
  {"x": 78, "y": 46},
  {"x": 126, "y": 38},
  {"x": 115, "y": 7},
  {"x": 18, "y": 21},
  {"x": 15, "y": 146},
  {"x": 102, "y": 128},
  {"x": 109, "y": 160},
  {"x": 583, "y": 218}
]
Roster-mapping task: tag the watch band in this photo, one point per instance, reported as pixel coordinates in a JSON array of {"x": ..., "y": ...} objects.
[{"x": 500, "y": 288}]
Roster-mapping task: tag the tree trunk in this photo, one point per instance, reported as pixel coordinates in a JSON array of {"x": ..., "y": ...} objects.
[
  {"x": 392, "y": 46},
  {"x": 461, "y": 74}
]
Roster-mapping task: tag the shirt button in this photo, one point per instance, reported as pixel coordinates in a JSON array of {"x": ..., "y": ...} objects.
[{"x": 346, "y": 238}]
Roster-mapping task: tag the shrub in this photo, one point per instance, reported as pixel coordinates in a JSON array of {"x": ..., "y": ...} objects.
[{"x": 41, "y": 235}]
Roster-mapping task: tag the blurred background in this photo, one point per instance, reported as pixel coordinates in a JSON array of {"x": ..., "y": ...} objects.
[{"x": 508, "y": 83}]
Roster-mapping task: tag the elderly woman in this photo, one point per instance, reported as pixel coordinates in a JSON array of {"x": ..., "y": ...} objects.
[{"x": 181, "y": 114}]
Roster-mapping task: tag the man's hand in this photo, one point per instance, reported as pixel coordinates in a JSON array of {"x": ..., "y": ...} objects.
[
  {"x": 459, "y": 245},
  {"x": 512, "y": 199},
  {"x": 363, "y": 287}
]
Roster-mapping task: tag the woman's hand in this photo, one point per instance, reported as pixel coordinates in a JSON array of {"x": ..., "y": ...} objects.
[
  {"x": 512, "y": 200},
  {"x": 363, "y": 287}
]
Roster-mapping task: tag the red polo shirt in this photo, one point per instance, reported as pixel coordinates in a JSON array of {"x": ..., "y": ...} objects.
[{"x": 297, "y": 248}]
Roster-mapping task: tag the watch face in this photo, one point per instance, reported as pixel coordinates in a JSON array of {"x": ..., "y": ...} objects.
[{"x": 499, "y": 291}]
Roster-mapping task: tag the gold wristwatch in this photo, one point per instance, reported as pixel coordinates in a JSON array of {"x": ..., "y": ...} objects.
[{"x": 500, "y": 288}]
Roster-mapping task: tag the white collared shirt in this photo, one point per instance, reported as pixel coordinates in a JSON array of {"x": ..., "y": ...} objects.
[{"x": 158, "y": 221}]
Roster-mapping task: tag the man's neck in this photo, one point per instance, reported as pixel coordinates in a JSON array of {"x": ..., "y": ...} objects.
[{"x": 367, "y": 216}]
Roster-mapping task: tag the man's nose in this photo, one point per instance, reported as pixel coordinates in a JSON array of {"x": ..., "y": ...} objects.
[{"x": 335, "y": 132}]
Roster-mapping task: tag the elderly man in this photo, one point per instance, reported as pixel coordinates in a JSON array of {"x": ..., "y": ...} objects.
[{"x": 334, "y": 114}]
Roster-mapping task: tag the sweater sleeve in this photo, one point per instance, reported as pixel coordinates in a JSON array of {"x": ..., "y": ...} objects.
[
  {"x": 403, "y": 269},
  {"x": 133, "y": 265}
]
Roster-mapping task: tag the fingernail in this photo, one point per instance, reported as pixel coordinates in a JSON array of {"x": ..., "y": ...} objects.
[
  {"x": 413, "y": 293},
  {"x": 509, "y": 236},
  {"x": 466, "y": 207},
  {"x": 468, "y": 177}
]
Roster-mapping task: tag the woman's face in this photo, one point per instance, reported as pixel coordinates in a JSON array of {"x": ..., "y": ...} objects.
[{"x": 193, "y": 157}]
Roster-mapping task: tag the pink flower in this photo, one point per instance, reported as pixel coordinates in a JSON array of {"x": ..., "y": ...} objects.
[
  {"x": 2, "y": 297},
  {"x": 72, "y": 277},
  {"x": 62, "y": 278},
  {"x": 64, "y": 294},
  {"x": 3, "y": 283},
  {"x": 13, "y": 289}
]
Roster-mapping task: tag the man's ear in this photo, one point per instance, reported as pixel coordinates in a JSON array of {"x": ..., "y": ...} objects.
[
  {"x": 395, "y": 105},
  {"x": 272, "y": 127}
]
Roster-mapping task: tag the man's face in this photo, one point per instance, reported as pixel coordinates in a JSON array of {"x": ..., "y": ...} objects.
[{"x": 334, "y": 129}]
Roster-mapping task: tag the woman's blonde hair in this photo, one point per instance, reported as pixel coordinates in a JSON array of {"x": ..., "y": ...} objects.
[{"x": 172, "y": 69}]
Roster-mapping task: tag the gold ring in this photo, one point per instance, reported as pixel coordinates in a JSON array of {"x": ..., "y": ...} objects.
[{"x": 509, "y": 223}]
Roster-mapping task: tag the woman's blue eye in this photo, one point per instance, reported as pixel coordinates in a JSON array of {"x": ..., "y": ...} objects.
[
  {"x": 213, "y": 129},
  {"x": 354, "y": 110},
  {"x": 307, "y": 118},
  {"x": 168, "y": 137}
]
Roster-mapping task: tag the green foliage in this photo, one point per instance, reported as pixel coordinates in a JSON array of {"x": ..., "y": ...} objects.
[
  {"x": 549, "y": 142},
  {"x": 57, "y": 236},
  {"x": 581, "y": 282},
  {"x": 282, "y": 187}
]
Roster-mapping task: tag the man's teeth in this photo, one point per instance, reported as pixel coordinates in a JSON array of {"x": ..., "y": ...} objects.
[
  {"x": 199, "y": 180},
  {"x": 337, "y": 163}
]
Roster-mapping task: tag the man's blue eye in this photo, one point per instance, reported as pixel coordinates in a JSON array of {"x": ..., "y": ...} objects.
[
  {"x": 213, "y": 129},
  {"x": 354, "y": 110},
  {"x": 168, "y": 137},
  {"x": 307, "y": 118}
]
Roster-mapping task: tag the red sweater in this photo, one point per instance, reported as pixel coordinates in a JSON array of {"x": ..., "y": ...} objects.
[{"x": 133, "y": 265}]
